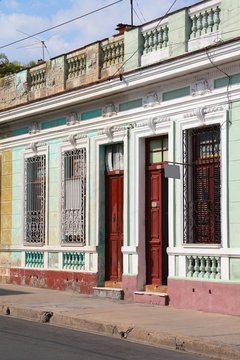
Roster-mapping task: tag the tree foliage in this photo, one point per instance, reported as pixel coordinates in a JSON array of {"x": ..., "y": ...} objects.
[{"x": 7, "y": 67}]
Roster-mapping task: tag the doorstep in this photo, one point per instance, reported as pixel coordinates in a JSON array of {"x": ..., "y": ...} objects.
[
  {"x": 151, "y": 297},
  {"x": 108, "y": 293}
]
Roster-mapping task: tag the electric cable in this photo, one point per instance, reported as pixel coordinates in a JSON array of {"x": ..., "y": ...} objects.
[
  {"x": 59, "y": 25},
  {"x": 159, "y": 22}
]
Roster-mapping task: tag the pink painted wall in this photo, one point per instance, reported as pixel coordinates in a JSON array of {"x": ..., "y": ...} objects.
[
  {"x": 207, "y": 296},
  {"x": 129, "y": 285}
]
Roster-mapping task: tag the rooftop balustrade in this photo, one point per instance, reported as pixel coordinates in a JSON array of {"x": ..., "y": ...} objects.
[{"x": 181, "y": 32}]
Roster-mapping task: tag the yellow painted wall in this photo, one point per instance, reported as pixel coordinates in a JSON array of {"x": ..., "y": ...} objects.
[{"x": 6, "y": 197}]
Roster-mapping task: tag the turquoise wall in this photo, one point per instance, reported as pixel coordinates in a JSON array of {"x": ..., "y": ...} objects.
[{"x": 54, "y": 190}]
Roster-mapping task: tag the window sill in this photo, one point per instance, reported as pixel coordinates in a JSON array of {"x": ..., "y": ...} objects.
[{"x": 202, "y": 246}]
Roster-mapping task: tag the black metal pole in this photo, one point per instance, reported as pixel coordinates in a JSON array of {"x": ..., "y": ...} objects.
[{"x": 131, "y": 2}]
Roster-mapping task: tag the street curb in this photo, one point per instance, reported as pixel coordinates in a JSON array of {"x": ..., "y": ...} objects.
[{"x": 136, "y": 334}]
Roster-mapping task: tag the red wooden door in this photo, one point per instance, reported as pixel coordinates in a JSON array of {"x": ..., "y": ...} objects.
[
  {"x": 114, "y": 225},
  {"x": 156, "y": 213}
]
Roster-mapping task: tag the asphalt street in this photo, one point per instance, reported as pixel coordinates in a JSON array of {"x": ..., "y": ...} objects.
[{"x": 23, "y": 340}]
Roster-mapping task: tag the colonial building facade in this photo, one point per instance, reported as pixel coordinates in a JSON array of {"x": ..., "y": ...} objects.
[{"x": 120, "y": 165}]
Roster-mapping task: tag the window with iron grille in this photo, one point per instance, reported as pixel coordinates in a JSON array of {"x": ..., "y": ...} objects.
[
  {"x": 202, "y": 185},
  {"x": 35, "y": 199},
  {"x": 74, "y": 196}
]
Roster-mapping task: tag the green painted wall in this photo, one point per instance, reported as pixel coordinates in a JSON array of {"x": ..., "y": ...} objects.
[
  {"x": 53, "y": 191},
  {"x": 130, "y": 105},
  {"x": 230, "y": 15},
  {"x": 224, "y": 81},
  {"x": 53, "y": 123},
  {"x": 234, "y": 269},
  {"x": 91, "y": 114},
  {"x": 53, "y": 260},
  {"x": 133, "y": 43},
  {"x": 179, "y": 32},
  {"x": 234, "y": 176},
  {"x": 174, "y": 94}
]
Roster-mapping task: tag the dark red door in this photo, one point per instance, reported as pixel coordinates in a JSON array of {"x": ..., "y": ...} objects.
[
  {"x": 156, "y": 214},
  {"x": 114, "y": 225}
]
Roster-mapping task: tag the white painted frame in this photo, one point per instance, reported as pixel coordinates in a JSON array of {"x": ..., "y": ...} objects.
[
  {"x": 137, "y": 206},
  {"x": 80, "y": 143},
  {"x": 41, "y": 149},
  {"x": 101, "y": 140}
]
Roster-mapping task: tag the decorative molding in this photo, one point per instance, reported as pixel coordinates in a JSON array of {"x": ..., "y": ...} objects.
[
  {"x": 34, "y": 146},
  {"x": 150, "y": 100},
  {"x": 80, "y": 136},
  {"x": 201, "y": 87},
  {"x": 109, "y": 110},
  {"x": 108, "y": 131},
  {"x": 72, "y": 139},
  {"x": 200, "y": 112},
  {"x": 72, "y": 118},
  {"x": 152, "y": 125},
  {"x": 151, "y": 122},
  {"x": 34, "y": 128}
]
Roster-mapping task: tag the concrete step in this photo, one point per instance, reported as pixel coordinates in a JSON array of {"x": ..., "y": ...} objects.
[
  {"x": 108, "y": 293},
  {"x": 155, "y": 298},
  {"x": 156, "y": 288}
]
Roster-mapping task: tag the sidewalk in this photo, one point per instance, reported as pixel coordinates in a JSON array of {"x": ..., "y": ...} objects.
[{"x": 211, "y": 335}]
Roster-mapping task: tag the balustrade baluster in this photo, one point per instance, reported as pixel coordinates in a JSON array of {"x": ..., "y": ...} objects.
[
  {"x": 196, "y": 266},
  {"x": 200, "y": 24},
  {"x": 202, "y": 267},
  {"x": 213, "y": 267},
  {"x": 194, "y": 27},
  {"x": 218, "y": 274},
  {"x": 216, "y": 18},
  {"x": 205, "y": 22},
  {"x": 155, "y": 39},
  {"x": 190, "y": 266},
  {"x": 165, "y": 36},
  {"x": 160, "y": 37},
  {"x": 211, "y": 21},
  {"x": 208, "y": 267}
]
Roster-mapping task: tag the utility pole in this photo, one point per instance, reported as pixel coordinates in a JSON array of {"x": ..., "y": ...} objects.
[{"x": 131, "y": 2}]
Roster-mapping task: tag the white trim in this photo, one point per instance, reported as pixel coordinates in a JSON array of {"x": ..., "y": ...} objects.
[
  {"x": 217, "y": 117},
  {"x": 141, "y": 132},
  {"x": 65, "y": 146},
  {"x": 41, "y": 149},
  {"x": 101, "y": 140}
]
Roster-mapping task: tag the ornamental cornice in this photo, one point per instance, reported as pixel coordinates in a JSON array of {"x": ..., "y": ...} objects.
[
  {"x": 200, "y": 112},
  {"x": 167, "y": 70},
  {"x": 152, "y": 121}
]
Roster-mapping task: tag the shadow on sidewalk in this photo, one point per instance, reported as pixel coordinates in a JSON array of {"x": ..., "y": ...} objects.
[{"x": 5, "y": 292}]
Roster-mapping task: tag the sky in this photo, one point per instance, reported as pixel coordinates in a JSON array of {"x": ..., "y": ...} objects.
[{"x": 20, "y": 18}]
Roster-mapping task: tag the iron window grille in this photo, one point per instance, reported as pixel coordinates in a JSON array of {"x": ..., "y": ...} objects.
[
  {"x": 202, "y": 185},
  {"x": 35, "y": 199},
  {"x": 74, "y": 196}
]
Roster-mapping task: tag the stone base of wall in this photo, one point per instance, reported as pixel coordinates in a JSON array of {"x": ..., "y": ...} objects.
[
  {"x": 58, "y": 280},
  {"x": 4, "y": 275},
  {"x": 217, "y": 297}
]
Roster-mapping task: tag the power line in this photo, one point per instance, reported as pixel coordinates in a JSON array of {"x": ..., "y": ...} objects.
[
  {"x": 159, "y": 22},
  {"x": 141, "y": 12},
  {"x": 64, "y": 23}
]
